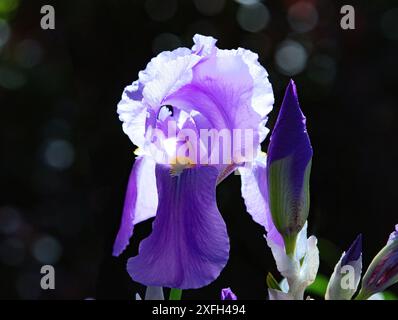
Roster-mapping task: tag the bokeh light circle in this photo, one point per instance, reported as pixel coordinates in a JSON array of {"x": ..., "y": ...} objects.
[
  {"x": 302, "y": 17},
  {"x": 253, "y": 17},
  {"x": 291, "y": 58}
]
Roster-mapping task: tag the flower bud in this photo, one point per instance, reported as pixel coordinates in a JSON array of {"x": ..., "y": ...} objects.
[{"x": 289, "y": 165}]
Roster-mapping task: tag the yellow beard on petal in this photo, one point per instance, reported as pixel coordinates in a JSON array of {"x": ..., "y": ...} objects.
[{"x": 178, "y": 164}]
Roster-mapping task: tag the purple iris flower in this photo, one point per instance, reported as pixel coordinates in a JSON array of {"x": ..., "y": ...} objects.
[
  {"x": 180, "y": 95},
  {"x": 383, "y": 270},
  {"x": 227, "y": 294}
]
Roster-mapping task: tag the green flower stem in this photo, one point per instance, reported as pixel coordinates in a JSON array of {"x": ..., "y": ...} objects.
[
  {"x": 175, "y": 294},
  {"x": 363, "y": 295}
]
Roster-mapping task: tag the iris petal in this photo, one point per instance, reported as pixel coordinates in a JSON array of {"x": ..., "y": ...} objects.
[
  {"x": 189, "y": 244},
  {"x": 140, "y": 202},
  {"x": 255, "y": 193},
  {"x": 221, "y": 90},
  {"x": 227, "y": 294}
]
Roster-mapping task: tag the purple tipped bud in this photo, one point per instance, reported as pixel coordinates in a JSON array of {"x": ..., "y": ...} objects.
[
  {"x": 227, "y": 294},
  {"x": 383, "y": 271},
  {"x": 343, "y": 285},
  {"x": 289, "y": 165},
  {"x": 354, "y": 252}
]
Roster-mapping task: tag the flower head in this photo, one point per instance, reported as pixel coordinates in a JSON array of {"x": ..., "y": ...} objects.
[{"x": 188, "y": 114}]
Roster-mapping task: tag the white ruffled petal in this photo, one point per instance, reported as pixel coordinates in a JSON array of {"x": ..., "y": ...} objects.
[
  {"x": 131, "y": 109},
  {"x": 133, "y": 114},
  {"x": 203, "y": 45},
  {"x": 155, "y": 66},
  {"x": 263, "y": 97},
  {"x": 172, "y": 76}
]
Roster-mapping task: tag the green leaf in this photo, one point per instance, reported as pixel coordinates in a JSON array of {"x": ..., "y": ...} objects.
[
  {"x": 272, "y": 283},
  {"x": 319, "y": 286},
  {"x": 389, "y": 295}
]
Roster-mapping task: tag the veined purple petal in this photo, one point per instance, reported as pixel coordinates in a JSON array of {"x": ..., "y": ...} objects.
[
  {"x": 354, "y": 252},
  {"x": 289, "y": 165},
  {"x": 227, "y": 294},
  {"x": 383, "y": 270},
  {"x": 140, "y": 202},
  {"x": 189, "y": 244}
]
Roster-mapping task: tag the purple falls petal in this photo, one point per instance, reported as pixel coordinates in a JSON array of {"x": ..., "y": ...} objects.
[
  {"x": 140, "y": 201},
  {"x": 227, "y": 294},
  {"x": 354, "y": 252},
  {"x": 189, "y": 244},
  {"x": 289, "y": 165}
]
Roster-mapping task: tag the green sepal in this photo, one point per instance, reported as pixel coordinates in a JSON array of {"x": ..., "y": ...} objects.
[{"x": 272, "y": 283}]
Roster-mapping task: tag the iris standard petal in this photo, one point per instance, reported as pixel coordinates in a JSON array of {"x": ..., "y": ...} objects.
[
  {"x": 231, "y": 91},
  {"x": 140, "y": 201},
  {"x": 189, "y": 244},
  {"x": 203, "y": 46},
  {"x": 132, "y": 112},
  {"x": 221, "y": 91}
]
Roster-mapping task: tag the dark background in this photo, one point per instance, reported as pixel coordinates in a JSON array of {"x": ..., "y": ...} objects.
[{"x": 65, "y": 162}]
